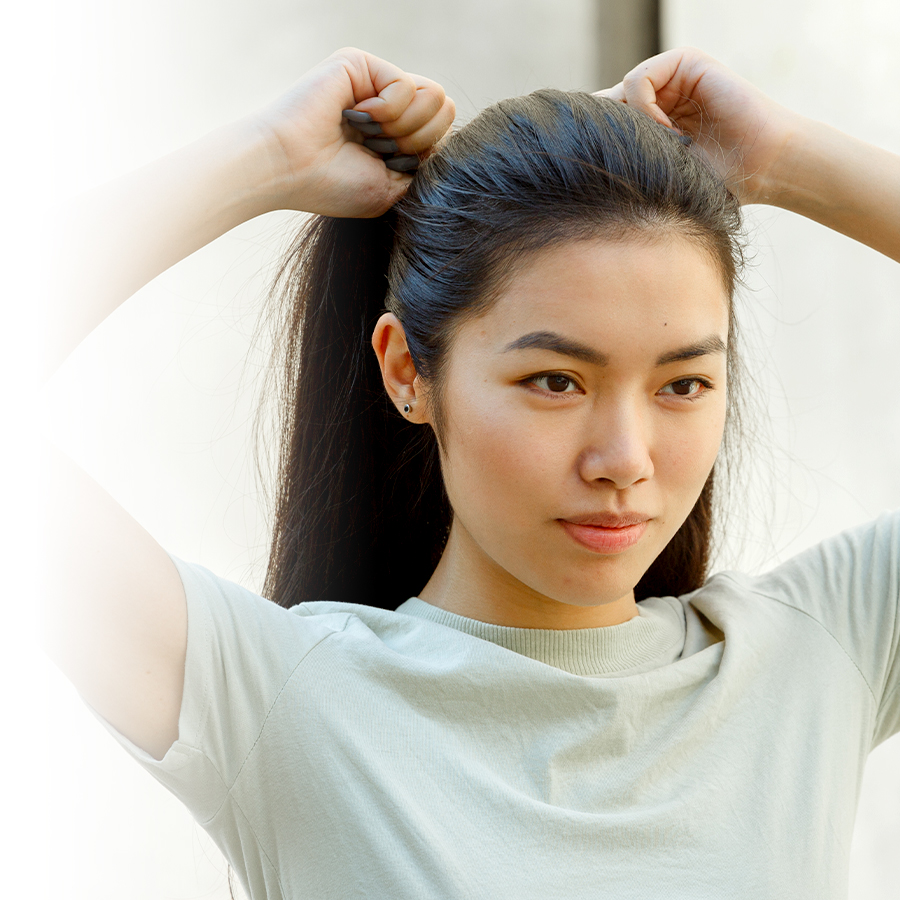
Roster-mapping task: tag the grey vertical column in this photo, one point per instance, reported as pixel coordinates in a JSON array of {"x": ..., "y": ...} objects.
[{"x": 628, "y": 32}]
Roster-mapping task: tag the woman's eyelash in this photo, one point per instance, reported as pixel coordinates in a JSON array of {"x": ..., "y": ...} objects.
[
  {"x": 704, "y": 383},
  {"x": 535, "y": 378}
]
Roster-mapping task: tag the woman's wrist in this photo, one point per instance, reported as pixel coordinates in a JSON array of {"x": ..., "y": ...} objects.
[
  {"x": 251, "y": 170},
  {"x": 774, "y": 144},
  {"x": 793, "y": 179},
  {"x": 840, "y": 182}
]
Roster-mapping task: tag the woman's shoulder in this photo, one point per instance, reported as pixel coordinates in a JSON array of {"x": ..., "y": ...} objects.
[
  {"x": 845, "y": 589},
  {"x": 862, "y": 560},
  {"x": 242, "y": 622}
]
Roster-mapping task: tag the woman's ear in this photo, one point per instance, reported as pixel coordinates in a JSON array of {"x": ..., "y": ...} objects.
[{"x": 401, "y": 381}]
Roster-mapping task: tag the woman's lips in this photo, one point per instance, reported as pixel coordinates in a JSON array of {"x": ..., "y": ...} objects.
[{"x": 603, "y": 539}]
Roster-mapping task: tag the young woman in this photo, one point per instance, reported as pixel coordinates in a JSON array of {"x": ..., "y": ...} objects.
[{"x": 494, "y": 665}]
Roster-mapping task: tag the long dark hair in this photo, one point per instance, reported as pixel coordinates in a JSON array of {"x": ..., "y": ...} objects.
[{"x": 361, "y": 514}]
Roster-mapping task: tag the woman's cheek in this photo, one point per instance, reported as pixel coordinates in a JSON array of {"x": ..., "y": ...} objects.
[
  {"x": 691, "y": 446},
  {"x": 508, "y": 457}
]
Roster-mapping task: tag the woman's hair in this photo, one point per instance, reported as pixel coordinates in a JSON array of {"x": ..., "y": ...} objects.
[{"x": 361, "y": 514}]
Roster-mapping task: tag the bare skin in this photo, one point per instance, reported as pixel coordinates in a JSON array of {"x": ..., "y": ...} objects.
[{"x": 114, "y": 606}]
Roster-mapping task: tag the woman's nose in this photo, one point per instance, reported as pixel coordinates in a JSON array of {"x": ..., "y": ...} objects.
[{"x": 617, "y": 449}]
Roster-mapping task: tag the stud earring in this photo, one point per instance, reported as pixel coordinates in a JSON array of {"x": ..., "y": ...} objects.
[{"x": 407, "y": 408}]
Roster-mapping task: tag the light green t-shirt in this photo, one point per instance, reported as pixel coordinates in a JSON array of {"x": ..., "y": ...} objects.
[{"x": 712, "y": 747}]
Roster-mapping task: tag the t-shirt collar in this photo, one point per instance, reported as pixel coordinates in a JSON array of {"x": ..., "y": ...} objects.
[{"x": 653, "y": 638}]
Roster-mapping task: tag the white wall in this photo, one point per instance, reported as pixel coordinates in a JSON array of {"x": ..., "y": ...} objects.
[
  {"x": 823, "y": 321},
  {"x": 156, "y": 403}
]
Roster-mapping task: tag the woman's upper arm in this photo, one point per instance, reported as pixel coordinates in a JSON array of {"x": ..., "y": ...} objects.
[{"x": 114, "y": 608}]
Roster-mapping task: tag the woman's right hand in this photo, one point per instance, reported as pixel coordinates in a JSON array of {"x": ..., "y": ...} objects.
[{"x": 320, "y": 164}]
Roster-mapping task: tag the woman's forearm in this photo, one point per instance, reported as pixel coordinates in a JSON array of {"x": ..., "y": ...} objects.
[
  {"x": 115, "y": 239},
  {"x": 298, "y": 152},
  {"x": 841, "y": 182}
]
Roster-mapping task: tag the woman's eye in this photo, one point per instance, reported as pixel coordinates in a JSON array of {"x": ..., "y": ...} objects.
[
  {"x": 687, "y": 387},
  {"x": 555, "y": 382}
]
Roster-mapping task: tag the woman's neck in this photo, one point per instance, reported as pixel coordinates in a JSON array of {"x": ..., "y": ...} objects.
[{"x": 471, "y": 584}]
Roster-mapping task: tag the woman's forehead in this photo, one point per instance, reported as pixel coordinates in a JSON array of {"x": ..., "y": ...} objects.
[{"x": 609, "y": 296}]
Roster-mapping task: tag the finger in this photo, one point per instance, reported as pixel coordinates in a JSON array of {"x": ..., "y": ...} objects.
[
  {"x": 617, "y": 92},
  {"x": 370, "y": 128},
  {"x": 657, "y": 84},
  {"x": 641, "y": 86},
  {"x": 393, "y": 89},
  {"x": 424, "y": 106},
  {"x": 403, "y": 163},
  {"x": 399, "y": 185},
  {"x": 423, "y": 140}
]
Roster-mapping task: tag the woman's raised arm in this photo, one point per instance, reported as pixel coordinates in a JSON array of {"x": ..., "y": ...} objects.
[
  {"x": 769, "y": 154},
  {"x": 114, "y": 607},
  {"x": 842, "y": 183},
  {"x": 296, "y": 153}
]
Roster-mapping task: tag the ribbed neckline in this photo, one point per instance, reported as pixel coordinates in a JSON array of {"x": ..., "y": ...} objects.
[{"x": 653, "y": 638}]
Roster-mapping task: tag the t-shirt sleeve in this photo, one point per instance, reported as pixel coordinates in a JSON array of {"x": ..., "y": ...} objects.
[
  {"x": 850, "y": 584},
  {"x": 241, "y": 651}
]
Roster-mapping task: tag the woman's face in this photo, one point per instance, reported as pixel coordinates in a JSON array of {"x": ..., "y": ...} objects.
[{"x": 595, "y": 386}]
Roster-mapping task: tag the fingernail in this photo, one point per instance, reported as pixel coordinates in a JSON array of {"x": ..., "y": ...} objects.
[
  {"x": 685, "y": 139},
  {"x": 402, "y": 163},
  {"x": 381, "y": 145},
  {"x": 356, "y": 116},
  {"x": 365, "y": 128}
]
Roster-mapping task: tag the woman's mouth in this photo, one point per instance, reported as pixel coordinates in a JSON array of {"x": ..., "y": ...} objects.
[{"x": 604, "y": 539}]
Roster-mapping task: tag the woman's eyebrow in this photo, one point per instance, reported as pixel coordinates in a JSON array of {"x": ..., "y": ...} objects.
[
  {"x": 550, "y": 340},
  {"x": 711, "y": 344}
]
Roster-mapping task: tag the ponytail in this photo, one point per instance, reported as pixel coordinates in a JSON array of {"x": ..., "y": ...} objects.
[{"x": 361, "y": 515}]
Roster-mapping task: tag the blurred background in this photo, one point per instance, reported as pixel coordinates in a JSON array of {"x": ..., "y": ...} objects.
[{"x": 158, "y": 403}]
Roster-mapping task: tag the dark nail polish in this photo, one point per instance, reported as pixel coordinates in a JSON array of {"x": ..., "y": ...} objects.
[
  {"x": 355, "y": 116},
  {"x": 685, "y": 139},
  {"x": 381, "y": 145},
  {"x": 403, "y": 163},
  {"x": 373, "y": 128}
]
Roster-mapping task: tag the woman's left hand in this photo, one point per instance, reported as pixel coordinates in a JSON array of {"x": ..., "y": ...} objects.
[{"x": 741, "y": 130}]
